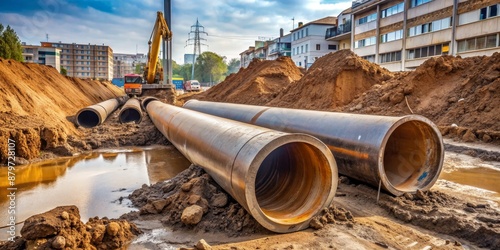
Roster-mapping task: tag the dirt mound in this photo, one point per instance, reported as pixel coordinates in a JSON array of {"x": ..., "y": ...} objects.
[
  {"x": 257, "y": 84},
  {"x": 34, "y": 105},
  {"x": 193, "y": 201},
  {"x": 332, "y": 81},
  {"x": 448, "y": 90},
  {"x": 477, "y": 223},
  {"x": 61, "y": 228}
]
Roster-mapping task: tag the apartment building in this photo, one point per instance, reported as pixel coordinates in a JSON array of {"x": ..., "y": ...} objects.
[
  {"x": 309, "y": 43},
  {"x": 85, "y": 60},
  {"x": 281, "y": 46},
  {"x": 402, "y": 34},
  {"x": 42, "y": 55},
  {"x": 247, "y": 56},
  {"x": 126, "y": 63},
  {"x": 341, "y": 32}
]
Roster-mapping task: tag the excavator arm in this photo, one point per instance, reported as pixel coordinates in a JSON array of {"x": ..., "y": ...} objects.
[{"x": 153, "y": 72}]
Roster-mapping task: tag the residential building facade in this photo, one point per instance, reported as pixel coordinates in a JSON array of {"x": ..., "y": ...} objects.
[
  {"x": 85, "y": 60},
  {"x": 247, "y": 56},
  {"x": 42, "y": 55},
  {"x": 309, "y": 43},
  {"x": 281, "y": 46},
  {"x": 126, "y": 63},
  {"x": 401, "y": 34},
  {"x": 341, "y": 32}
]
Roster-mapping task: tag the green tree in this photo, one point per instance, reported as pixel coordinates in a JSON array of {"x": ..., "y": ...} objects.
[
  {"x": 64, "y": 72},
  {"x": 233, "y": 66},
  {"x": 185, "y": 71},
  {"x": 10, "y": 45},
  {"x": 210, "y": 67}
]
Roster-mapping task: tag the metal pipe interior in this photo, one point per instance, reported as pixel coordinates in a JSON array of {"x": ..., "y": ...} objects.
[
  {"x": 96, "y": 114},
  {"x": 411, "y": 150},
  {"x": 403, "y": 154},
  {"x": 281, "y": 179},
  {"x": 131, "y": 111},
  {"x": 88, "y": 118}
]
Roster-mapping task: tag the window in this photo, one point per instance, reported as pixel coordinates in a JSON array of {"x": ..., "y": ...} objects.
[
  {"x": 390, "y": 57},
  {"x": 493, "y": 10},
  {"x": 318, "y": 46},
  {"x": 370, "y": 58},
  {"x": 415, "y": 3},
  {"x": 398, "y": 8},
  {"x": 302, "y": 33},
  {"x": 481, "y": 42},
  {"x": 433, "y": 50},
  {"x": 301, "y": 49},
  {"x": 307, "y": 31},
  {"x": 441, "y": 24},
  {"x": 332, "y": 47},
  {"x": 488, "y": 12},
  {"x": 365, "y": 42},
  {"x": 307, "y": 47},
  {"x": 391, "y": 36},
  {"x": 367, "y": 19}
]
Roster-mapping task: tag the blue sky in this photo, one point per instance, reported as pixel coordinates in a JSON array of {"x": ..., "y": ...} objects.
[{"x": 126, "y": 25}]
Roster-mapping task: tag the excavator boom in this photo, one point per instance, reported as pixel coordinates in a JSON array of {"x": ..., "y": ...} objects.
[{"x": 153, "y": 72}]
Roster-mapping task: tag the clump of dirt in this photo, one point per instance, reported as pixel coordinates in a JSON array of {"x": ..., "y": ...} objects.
[
  {"x": 34, "y": 105},
  {"x": 436, "y": 211},
  {"x": 257, "y": 84},
  {"x": 334, "y": 80},
  {"x": 193, "y": 201},
  {"x": 61, "y": 228},
  {"x": 459, "y": 94},
  {"x": 332, "y": 215}
]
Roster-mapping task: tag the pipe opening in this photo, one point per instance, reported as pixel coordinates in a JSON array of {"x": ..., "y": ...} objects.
[
  {"x": 130, "y": 115},
  {"x": 290, "y": 183},
  {"x": 412, "y": 156},
  {"x": 88, "y": 118}
]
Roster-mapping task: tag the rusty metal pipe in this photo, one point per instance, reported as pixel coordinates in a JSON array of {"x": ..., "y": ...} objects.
[
  {"x": 96, "y": 114},
  {"x": 402, "y": 154},
  {"x": 281, "y": 179},
  {"x": 131, "y": 111}
]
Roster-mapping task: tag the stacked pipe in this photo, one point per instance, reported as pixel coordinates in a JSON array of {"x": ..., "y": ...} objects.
[
  {"x": 96, "y": 114},
  {"x": 131, "y": 111},
  {"x": 281, "y": 179},
  {"x": 400, "y": 154}
]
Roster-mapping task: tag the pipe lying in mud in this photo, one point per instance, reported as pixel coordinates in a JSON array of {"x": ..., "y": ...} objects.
[
  {"x": 131, "y": 111},
  {"x": 281, "y": 179},
  {"x": 402, "y": 154},
  {"x": 96, "y": 114}
]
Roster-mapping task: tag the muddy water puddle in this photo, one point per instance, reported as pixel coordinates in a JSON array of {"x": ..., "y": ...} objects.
[
  {"x": 473, "y": 176},
  {"x": 94, "y": 182}
]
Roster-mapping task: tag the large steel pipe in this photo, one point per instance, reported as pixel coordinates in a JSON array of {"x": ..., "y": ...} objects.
[
  {"x": 131, "y": 111},
  {"x": 402, "y": 154},
  {"x": 281, "y": 179},
  {"x": 96, "y": 114}
]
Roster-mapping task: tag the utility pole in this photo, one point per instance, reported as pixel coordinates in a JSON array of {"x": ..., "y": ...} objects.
[
  {"x": 195, "y": 40},
  {"x": 167, "y": 45}
]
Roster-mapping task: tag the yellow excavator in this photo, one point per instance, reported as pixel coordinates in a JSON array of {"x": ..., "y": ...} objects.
[{"x": 135, "y": 84}]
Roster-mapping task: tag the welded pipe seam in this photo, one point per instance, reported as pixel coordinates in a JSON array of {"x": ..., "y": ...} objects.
[
  {"x": 404, "y": 154},
  {"x": 281, "y": 179}
]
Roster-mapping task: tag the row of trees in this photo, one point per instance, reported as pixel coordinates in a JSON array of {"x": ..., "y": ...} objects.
[
  {"x": 10, "y": 44},
  {"x": 209, "y": 67}
]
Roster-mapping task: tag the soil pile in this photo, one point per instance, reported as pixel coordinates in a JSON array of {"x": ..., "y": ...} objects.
[
  {"x": 477, "y": 223},
  {"x": 257, "y": 84},
  {"x": 34, "y": 105},
  {"x": 193, "y": 201},
  {"x": 61, "y": 228},
  {"x": 448, "y": 90},
  {"x": 332, "y": 81}
]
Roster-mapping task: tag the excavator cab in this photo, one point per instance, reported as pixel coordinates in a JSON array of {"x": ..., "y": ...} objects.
[{"x": 133, "y": 84}]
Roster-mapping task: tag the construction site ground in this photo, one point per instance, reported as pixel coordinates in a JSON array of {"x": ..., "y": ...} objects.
[{"x": 460, "y": 95}]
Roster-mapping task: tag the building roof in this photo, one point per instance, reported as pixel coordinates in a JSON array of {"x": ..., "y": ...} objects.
[{"x": 329, "y": 20}]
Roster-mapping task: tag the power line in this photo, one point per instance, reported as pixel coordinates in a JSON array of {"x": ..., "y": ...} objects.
[{"x": 196, "y": 30}]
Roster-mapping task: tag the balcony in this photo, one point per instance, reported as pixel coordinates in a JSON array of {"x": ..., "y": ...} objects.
[{"x": 339, "y": 32}]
